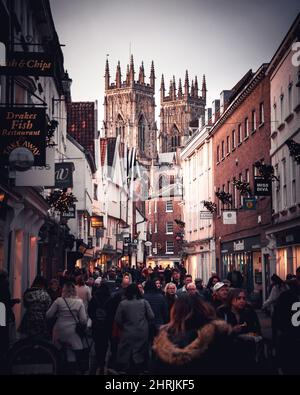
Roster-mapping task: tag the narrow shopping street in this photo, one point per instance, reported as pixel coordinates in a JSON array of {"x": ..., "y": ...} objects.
[{"x": 149, "y": 189}]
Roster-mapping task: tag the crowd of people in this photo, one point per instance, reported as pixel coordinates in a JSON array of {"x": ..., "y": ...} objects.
[{"x": 159, "y": 321}]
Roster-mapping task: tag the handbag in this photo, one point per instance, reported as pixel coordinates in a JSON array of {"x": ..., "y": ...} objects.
[{"x": 80, "y": 328}]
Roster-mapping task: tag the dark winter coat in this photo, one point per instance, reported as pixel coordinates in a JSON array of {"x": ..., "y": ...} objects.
[
  {"x": 36, "y": 301},
  {"x": 248, "y": 316},
  {"x": 133, "y": 317},
  {"x": 210, "y": 350},
  {"x": 159, "y": 307}
]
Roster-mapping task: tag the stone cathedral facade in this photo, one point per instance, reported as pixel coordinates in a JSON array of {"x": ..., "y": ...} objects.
[
  {"x": 180, "y": 110},
  {"x": 129, "y": 110}
]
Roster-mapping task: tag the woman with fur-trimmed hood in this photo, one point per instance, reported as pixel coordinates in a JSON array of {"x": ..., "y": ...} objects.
[{"x": 194, "y": 341}]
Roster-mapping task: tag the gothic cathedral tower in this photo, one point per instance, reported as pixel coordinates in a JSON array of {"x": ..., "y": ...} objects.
[
  {"x": 129, "y": 110},
  {"x": 179, "y": 112}
]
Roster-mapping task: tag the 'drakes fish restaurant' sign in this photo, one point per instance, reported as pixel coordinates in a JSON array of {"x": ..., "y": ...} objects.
[{"x": 23, "y": 127}]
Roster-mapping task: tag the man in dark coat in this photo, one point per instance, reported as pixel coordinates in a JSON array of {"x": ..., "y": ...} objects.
[{"x": 287, "y": 322}]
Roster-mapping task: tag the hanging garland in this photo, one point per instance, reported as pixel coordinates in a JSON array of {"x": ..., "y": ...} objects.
[
  {"x": 243, "y": 187},
  {"x": 225, "y": 197},
  {"x": 294, "y": 150},
  {"x": 52, "y": 125},
  {"x": 61, "y": 201},
  {"x": 265, "y": 171},
  {"x": 212, "y": 207}
]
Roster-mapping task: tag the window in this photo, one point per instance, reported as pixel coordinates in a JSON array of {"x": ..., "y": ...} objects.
[
  {"x": 155, "y": 227},
  {"x": 275, "y": 113},
  {"x": 281, "y": 108},
  {"x": 253, "y": 121},
  {"x": 261, "y": 114},
  {"x": 222, "y": 151},
  {"x": 277, "y": 194},
  {"x": 172, "y": 179},
  {"x": 234, "y": 197},
  {"x": 218, "y": 154},
  {"x": 290, "y": 100},
  {"x": 120, "y": 127},
  {"x": 169, "y": 206},
  {"x": 141, "y": 134},
  {"x": 169, "y": 247},
  {"x": 293, "y": 178},
  {"x": 175, "y": 138},
  {"x": 241, "y": 197},
  {"x": 239, "y": 134},
  {"x": 149, "y": 207},
  {"x": 169, "y": 227},
  {"x": 247, "y": 176},
  {"x": 246, "y": 128},
  {"x": 95, "y": 192},
  {"x": 233, "y": 139},
  {"x": 284, "y": 186},
  {"x": 227, "y": 144},
  {"x": 228, "y": 186}
]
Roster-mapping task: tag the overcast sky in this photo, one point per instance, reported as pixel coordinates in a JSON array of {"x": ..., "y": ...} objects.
[{"x": 222, "y": 39}]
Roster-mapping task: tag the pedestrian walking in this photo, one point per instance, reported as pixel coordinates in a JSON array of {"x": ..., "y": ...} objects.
[
  {"x": 193, "y": 342},
  {"x": 36, "y": 301},
  {"x": 133, "y": 316},
  {"x": 69, "y": 310},
  {"x": 98, "y": 313}
]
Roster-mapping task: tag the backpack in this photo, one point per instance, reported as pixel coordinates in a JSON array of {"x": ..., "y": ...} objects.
[
  {"x": 100, "y": 314},
  {"x": 100, "y": 311}
]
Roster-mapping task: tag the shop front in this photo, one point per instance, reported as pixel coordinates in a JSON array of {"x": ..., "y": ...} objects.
[
  {"x": 245, "y": 256},
  {"x": 287, "y": 251},
  {"x": 200, "y": 259}
]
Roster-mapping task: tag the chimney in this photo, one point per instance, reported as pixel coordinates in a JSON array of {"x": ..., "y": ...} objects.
[
  {"x": 224, "y": 96},
  {"x": 202, "y": 122},
  {"x": 215, "y": 110},
  {"x": 208, "y": 115}
]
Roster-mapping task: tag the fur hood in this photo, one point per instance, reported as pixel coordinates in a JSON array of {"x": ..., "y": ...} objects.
[{"x": 171, "y": 354}]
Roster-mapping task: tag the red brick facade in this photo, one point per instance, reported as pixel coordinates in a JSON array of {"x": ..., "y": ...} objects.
[
  {"x": 239, "y": 246},
  {"x": 81, "y": 124},
  {"x": 158, "y": 217}
]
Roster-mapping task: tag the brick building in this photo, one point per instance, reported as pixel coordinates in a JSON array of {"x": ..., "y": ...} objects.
[
  {"x": 284, "y": 234},
  {"x": 241, "y": 137},
  {"x": 82, "y": 124},
  {"x": 163, "y": 211}
]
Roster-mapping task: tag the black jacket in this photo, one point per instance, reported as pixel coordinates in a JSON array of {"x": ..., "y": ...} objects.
[{"x": 247, "y": 316}]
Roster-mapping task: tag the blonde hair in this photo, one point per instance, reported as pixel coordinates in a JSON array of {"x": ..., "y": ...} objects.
[
  {"x": 167, "y": 285},
  {"x": 69, "y": 291}
]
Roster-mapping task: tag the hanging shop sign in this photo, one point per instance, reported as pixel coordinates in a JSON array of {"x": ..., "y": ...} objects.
[
  {"x": 229, "y": 217},
  {"x": 64, "y": 175},
  {"x": 23, "y": 128},
  {"x": 38, "y": 176},
  {"x": 239, "y": 245},
  {"x": 262, "y": 187},
  {"x": 99, "y": 233},
  {"x": 206, "y": 215},
  {"x": 127, "y": 240},
  {"x": 249, "y": 203},
  {"x": 71, "y": 213},
  {"x": 97, "y": 221},
  {"x": 29, "y": 63}
]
